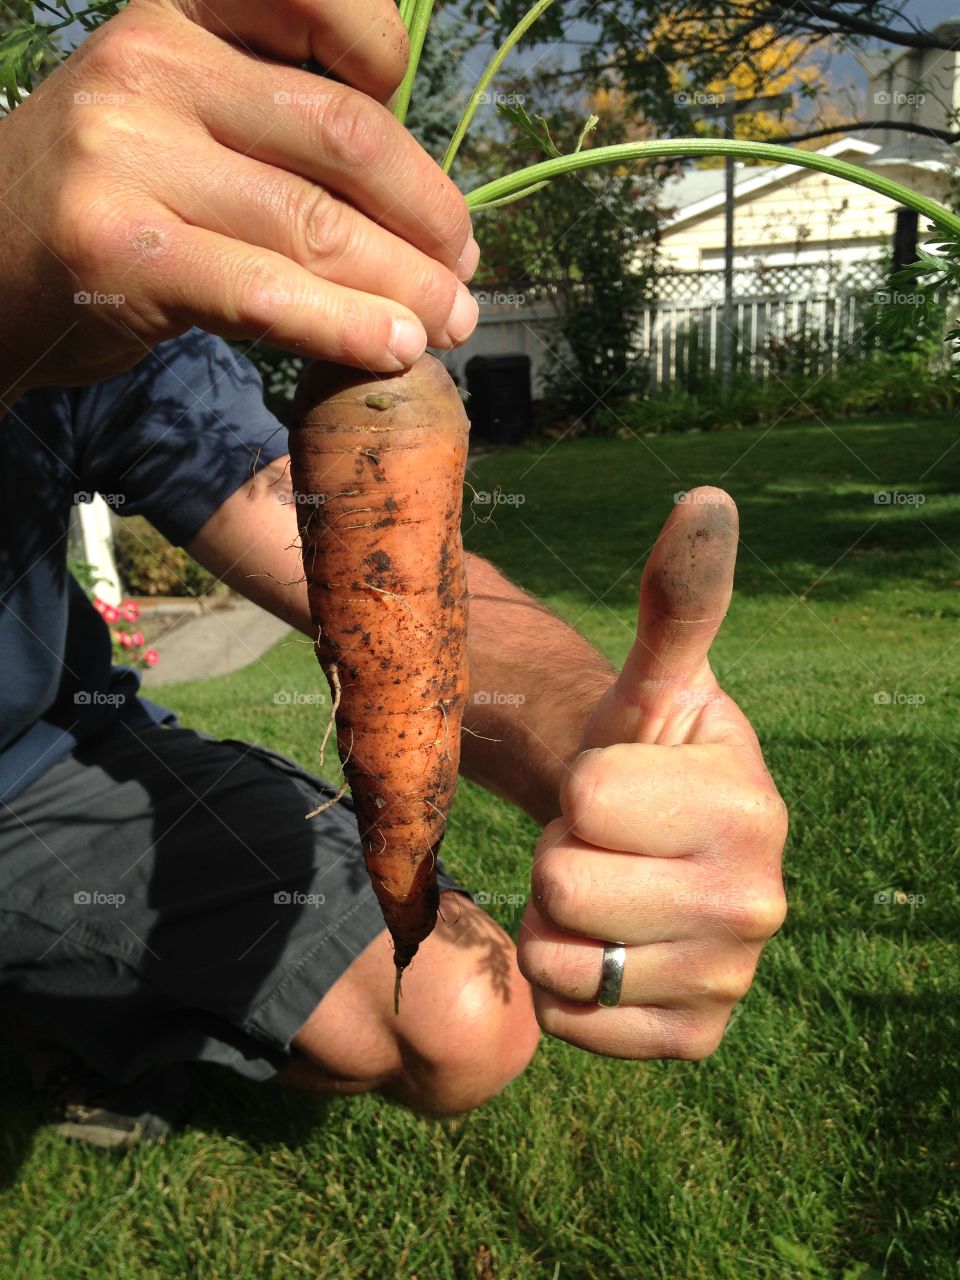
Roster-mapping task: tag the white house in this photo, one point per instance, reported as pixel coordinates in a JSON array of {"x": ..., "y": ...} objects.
[
  {"x": 914, "y": 86},
  {"x": 789, "y": 216}
]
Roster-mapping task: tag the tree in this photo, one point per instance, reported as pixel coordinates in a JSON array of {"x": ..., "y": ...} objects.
[
  {"x": 586, "y": 242},
  {"x": 28, "y": 47},
  {"x": 637, "y": 45}
]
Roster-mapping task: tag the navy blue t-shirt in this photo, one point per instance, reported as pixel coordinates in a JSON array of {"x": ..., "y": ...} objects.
[{"x": 171, "y": 440}]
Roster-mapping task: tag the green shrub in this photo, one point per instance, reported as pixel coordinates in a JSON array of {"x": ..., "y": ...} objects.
[
  {"x": 150, "y": 566},
  {"x": 902, "y": 383}
]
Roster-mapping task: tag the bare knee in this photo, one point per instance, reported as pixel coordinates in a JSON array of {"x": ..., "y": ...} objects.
[
  {"x": 484, "y": 1033},
  {"x": 466, "y": 1026}
]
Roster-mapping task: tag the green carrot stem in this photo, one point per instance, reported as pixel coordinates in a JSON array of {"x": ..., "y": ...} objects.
[
  {"x": 517, "y": 195},
  {"x": 416, "y": 14},
  {"x": 496, "y": 62},
  {"x": 630, "y": 152}
]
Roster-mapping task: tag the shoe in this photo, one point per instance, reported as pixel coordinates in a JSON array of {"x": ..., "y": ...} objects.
[{"x": 83, "y": 1106}]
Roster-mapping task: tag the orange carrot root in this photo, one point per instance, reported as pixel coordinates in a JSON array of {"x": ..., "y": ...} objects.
[{"x": 377, "y": 466}]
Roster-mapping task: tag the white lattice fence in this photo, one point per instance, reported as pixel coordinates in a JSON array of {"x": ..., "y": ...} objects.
[
  {"x": 779, "y": 281},
  {"x": 820, "y": 326},
  {"x": 815, "y": 331}
]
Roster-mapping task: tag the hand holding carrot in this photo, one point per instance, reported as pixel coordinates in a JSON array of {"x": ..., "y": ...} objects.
[
  {"x": 672, "y": 829},
  {"x": 180, "y": 169}
]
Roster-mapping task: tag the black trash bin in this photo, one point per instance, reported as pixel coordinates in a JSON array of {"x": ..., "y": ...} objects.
[{"x": 500, "y": 403}]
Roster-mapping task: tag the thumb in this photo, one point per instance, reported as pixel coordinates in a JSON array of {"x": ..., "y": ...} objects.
[{"x": 686, "y": 589}]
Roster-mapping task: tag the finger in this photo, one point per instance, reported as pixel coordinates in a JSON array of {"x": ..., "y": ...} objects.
[
  {"x": 343, "y": 141},
  {"x": 685, "y": 591},
  {"x": 363, "y": 43},
  {"x": 320, "y": 232},
  {"x": 665, "y": 802},
  {"x": 639, "y": 901},
  {"x": 674, "y": 974},
  {"x": 636, "y": 1032},
  {"x": 239, "y": 292}
]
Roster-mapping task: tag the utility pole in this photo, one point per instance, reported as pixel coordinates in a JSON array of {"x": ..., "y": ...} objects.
[{"x": 727, "y": 108}]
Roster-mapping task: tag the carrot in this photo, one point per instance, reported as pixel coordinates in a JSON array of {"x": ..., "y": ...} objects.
[{"x": 377, "y": 467}]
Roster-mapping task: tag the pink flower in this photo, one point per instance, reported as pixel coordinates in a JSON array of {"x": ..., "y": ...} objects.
[
  {"x": 151, "y": 657},
  {"x": 98, "y": 604},
  {"x": 129, "y": 611},
  {"x": 125, "y": 640},
  {"x": 137, "y": 638},
  {"x": 110, "y": 614}
]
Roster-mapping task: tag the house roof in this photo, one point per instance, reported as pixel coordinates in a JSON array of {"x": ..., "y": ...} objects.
[{"x": 699, "y": 192}]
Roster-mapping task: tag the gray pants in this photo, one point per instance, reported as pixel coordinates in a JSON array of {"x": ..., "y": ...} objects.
[{"x": 162, "y": 899}]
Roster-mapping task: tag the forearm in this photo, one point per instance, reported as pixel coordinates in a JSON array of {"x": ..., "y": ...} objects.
[{"x": 534, "y": 681}]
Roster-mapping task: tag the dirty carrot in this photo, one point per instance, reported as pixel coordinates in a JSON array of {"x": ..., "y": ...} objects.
[{"x": 377, "y": 469}]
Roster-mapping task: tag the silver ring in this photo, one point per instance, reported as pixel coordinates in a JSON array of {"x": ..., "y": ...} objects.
[{"x": 611, "y": 975}]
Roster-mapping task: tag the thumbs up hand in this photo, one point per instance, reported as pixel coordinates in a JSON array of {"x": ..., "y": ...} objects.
[{"x": 671, "y": 831}]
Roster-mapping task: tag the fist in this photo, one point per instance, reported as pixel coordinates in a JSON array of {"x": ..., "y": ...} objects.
[
  {"x": 177, "y": 170},
  {"x": 672, "y": 830}
]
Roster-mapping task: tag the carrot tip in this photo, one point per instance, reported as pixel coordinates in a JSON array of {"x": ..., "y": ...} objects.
[{"x": 396, "y": 990}]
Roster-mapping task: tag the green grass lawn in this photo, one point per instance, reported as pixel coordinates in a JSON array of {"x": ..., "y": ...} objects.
[{"x": 822, "y": 1138}]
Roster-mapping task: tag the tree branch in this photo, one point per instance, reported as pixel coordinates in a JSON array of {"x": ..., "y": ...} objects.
[
  {"x": 858, "y": 126},
  {"x": 848, "y": 23}
]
